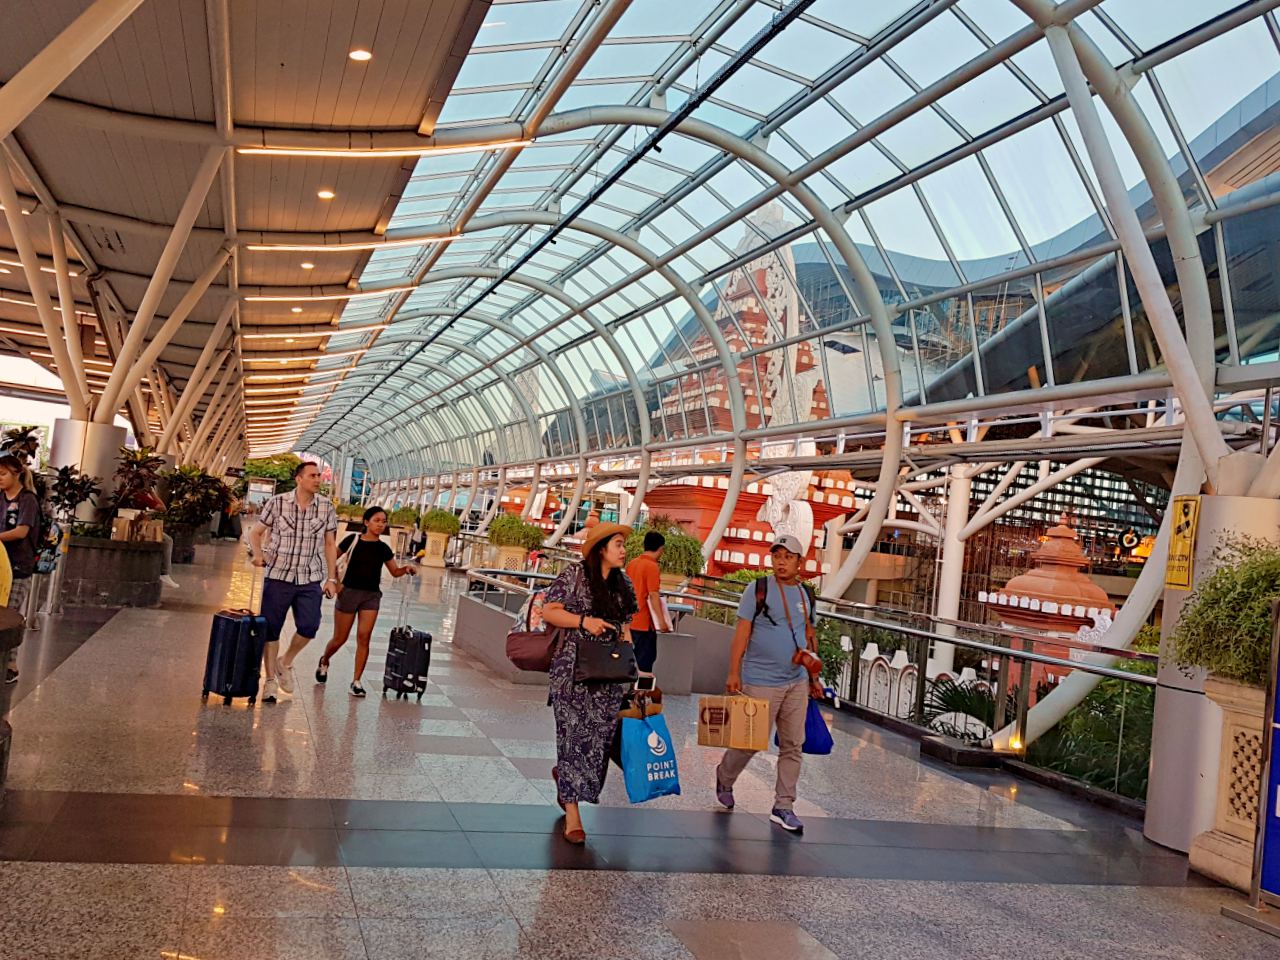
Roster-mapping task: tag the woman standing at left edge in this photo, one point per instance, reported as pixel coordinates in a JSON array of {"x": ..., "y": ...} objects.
[{"x": 587, "y": 601}]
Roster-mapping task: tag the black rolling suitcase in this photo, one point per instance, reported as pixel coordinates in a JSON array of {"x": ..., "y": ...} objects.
[
  {"x": 234, "y": 662},
  {"x": 408, "y": 657}
]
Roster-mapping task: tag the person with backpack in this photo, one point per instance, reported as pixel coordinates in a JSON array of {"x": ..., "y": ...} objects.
[
  {"x": 774, "y": 636},
  {"x": 362, "y": 557},
  {"x": 20, "y": 533}
]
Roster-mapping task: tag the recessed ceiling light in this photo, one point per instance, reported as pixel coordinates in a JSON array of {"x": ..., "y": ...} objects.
[
  {"x": 326, "y": 194},
  {"x": 295, "y": 309},
  {"x": 288, "y": 340},
  {"x": 360, "y": 54},
  {"x": 308, "y": 266}
]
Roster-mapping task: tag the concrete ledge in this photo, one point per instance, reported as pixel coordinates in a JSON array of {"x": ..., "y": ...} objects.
[
  {"x": 711, "y": 643},
  {"x": 957, "y": 753},
  {"x": 112, "y": 573},
  {"x": 481, "y": 630}
]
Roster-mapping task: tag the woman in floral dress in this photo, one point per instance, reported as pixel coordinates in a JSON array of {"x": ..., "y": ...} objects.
[{"x": 588, "y": 598}]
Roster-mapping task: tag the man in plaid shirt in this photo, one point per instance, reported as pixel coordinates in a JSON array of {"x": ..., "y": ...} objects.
[{"x": 302, "y": 562}]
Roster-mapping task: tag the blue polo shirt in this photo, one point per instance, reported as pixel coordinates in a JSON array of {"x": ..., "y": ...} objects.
[{"x": 767, "y": 662}]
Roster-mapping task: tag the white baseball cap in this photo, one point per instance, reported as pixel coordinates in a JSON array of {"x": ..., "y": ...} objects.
[{"x": 789, "y": 543}]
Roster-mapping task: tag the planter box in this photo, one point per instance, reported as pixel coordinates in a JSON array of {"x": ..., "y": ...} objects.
[
  {"x": 112, "y": 573},
  {"x": 184, "y": 542},
  {"x": 511, "y": 558},
  {"x": 1225, "y": 853},
  {"x": 437, "y": 545}
]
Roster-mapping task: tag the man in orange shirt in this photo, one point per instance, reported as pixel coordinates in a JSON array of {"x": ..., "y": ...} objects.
[{"x": 647, "y": 580}]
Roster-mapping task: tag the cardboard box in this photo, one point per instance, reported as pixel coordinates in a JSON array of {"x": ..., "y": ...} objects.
[
  {"x": 152, "y": 530},
  {"x": 738, "y": 723}
]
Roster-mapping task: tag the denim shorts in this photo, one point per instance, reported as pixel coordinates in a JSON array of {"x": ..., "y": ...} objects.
[
  {"x": 353, "y": 600},
  {"x": 281, "y": 596}
]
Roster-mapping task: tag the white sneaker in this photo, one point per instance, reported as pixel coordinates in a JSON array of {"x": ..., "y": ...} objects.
[
  {"x": 284, "y": 675},
  {"x": 269, "y": 691},
  {"x": 169, "y": 582}
]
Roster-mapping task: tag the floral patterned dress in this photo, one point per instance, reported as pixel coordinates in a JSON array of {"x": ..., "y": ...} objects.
[{"x": 586, "y": 713}]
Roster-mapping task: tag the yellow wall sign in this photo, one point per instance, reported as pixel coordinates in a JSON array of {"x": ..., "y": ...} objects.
[{"x": 1182, "y": 543}]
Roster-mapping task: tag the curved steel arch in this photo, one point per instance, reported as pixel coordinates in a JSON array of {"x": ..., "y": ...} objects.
[
  {"x": 524, "y": 340},
  {"x": 863, "y": 280},
  {"x": 500, "y": 325}
]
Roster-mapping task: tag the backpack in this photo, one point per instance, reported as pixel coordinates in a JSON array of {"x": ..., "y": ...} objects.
[{"x": 762, "y": 600}]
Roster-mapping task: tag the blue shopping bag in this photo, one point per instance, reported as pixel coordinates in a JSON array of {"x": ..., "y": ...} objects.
[
  {"x": 648, "y": 759},
  {"x": 817, "y": 738}
]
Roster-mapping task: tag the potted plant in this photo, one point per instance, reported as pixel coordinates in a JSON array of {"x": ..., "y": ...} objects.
[
  {"x": 509, "y": 534},
  {"x": 101, "y": 571},
  {"x": 193, "y": 496},
  {"x": 1225, "y": 629},
  {"x": 439, "y": 526}
]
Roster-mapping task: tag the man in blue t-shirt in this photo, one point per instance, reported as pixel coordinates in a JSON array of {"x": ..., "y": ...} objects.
[{"x": 762, "y": 665}]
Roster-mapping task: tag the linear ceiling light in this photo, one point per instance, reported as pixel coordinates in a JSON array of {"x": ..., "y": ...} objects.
[
  {"x": 18, "y": 263},
  {"x": 318, "y": 297},
  {"x": 306, "y": 334},
  {"x": 360, "y": 245},
  {"x": 377, "y": 153}
]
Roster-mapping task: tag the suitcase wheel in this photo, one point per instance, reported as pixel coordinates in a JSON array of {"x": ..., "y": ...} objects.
[
  {"x": 226, "y": 701},
  {"x": 384, "y": 693},
  {"x": 204, "y": 697},
  {"x": 420, "y": 697},
  {"x": 253, "y": 700}
]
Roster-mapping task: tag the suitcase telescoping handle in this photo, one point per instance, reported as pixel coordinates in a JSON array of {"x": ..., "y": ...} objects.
[{"x": 402, "y": 617}]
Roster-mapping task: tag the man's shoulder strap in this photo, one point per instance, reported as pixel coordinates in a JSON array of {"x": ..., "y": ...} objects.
[{"x": 762, "y": 599}]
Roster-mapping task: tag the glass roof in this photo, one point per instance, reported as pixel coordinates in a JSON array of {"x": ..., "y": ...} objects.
[{"x": 978, "y": 215}]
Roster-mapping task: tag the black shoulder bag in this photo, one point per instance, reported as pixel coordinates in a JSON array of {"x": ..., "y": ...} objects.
[{"x": 607, "y": 659}]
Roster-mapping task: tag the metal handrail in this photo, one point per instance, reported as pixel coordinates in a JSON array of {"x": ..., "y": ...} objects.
[{"x": 490, "y": 577}]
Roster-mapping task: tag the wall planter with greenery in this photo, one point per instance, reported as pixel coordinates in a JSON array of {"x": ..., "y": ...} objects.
[
  {"x": 193, "y": 496},
  {"x": 1225, "y": 628},
  {"x": 439, "y": 526},
  {"x": 99, "y": 571},
  {"x": 514, "y": 539}
]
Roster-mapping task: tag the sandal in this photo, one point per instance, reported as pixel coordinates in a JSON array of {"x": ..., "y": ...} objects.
[
  {"x": 322, "y": 671},
  {"x": 576, "y": 837}
]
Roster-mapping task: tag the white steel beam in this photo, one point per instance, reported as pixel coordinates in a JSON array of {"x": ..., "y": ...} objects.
[{"x": 52, "y": 65}]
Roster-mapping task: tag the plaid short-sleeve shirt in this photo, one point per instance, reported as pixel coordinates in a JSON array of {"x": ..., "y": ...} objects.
[{"x": 295, "y": 551}]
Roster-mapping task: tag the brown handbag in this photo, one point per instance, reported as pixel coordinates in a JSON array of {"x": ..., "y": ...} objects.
[{"x": 533, "y": 649}]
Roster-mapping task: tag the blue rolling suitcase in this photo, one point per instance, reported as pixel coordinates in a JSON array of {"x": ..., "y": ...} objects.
[
  {"x": 234, "y": 662},
  {"x": 408, "y": 657}
]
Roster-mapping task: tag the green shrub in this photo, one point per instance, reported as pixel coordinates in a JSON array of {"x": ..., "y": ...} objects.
[
  {"x": 682, "y": 556},
  {"x": 194, "y": 496},
  {"x": 404, "y": 517},
  {"x": 436, "y": 520},
  {"x": 1225, "y": 626},
  {"x": 506, "y": 530}
]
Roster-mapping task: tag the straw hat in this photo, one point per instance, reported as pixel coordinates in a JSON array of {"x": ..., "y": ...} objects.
[{"x": 603, "y": 531}]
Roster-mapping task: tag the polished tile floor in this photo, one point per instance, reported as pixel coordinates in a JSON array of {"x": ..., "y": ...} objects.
[{"x": 142, "y": 822}]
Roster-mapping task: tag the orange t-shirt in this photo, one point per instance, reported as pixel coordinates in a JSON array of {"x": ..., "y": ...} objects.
[{"x": 646, "y": 579}]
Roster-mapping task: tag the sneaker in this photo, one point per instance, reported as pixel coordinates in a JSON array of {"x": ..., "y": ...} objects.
[
  {"x": 787, "y": 820},
  {"x": 723, "y": 794},
  {"x": 356, "y": 689},
  {"x": 284, "y": 676},
  {"x": 10, "y": 675},
  {"x": 322, "y": 672},
  {"x": 269, "y": 691},
  {"x": 169, "y": 582}
]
